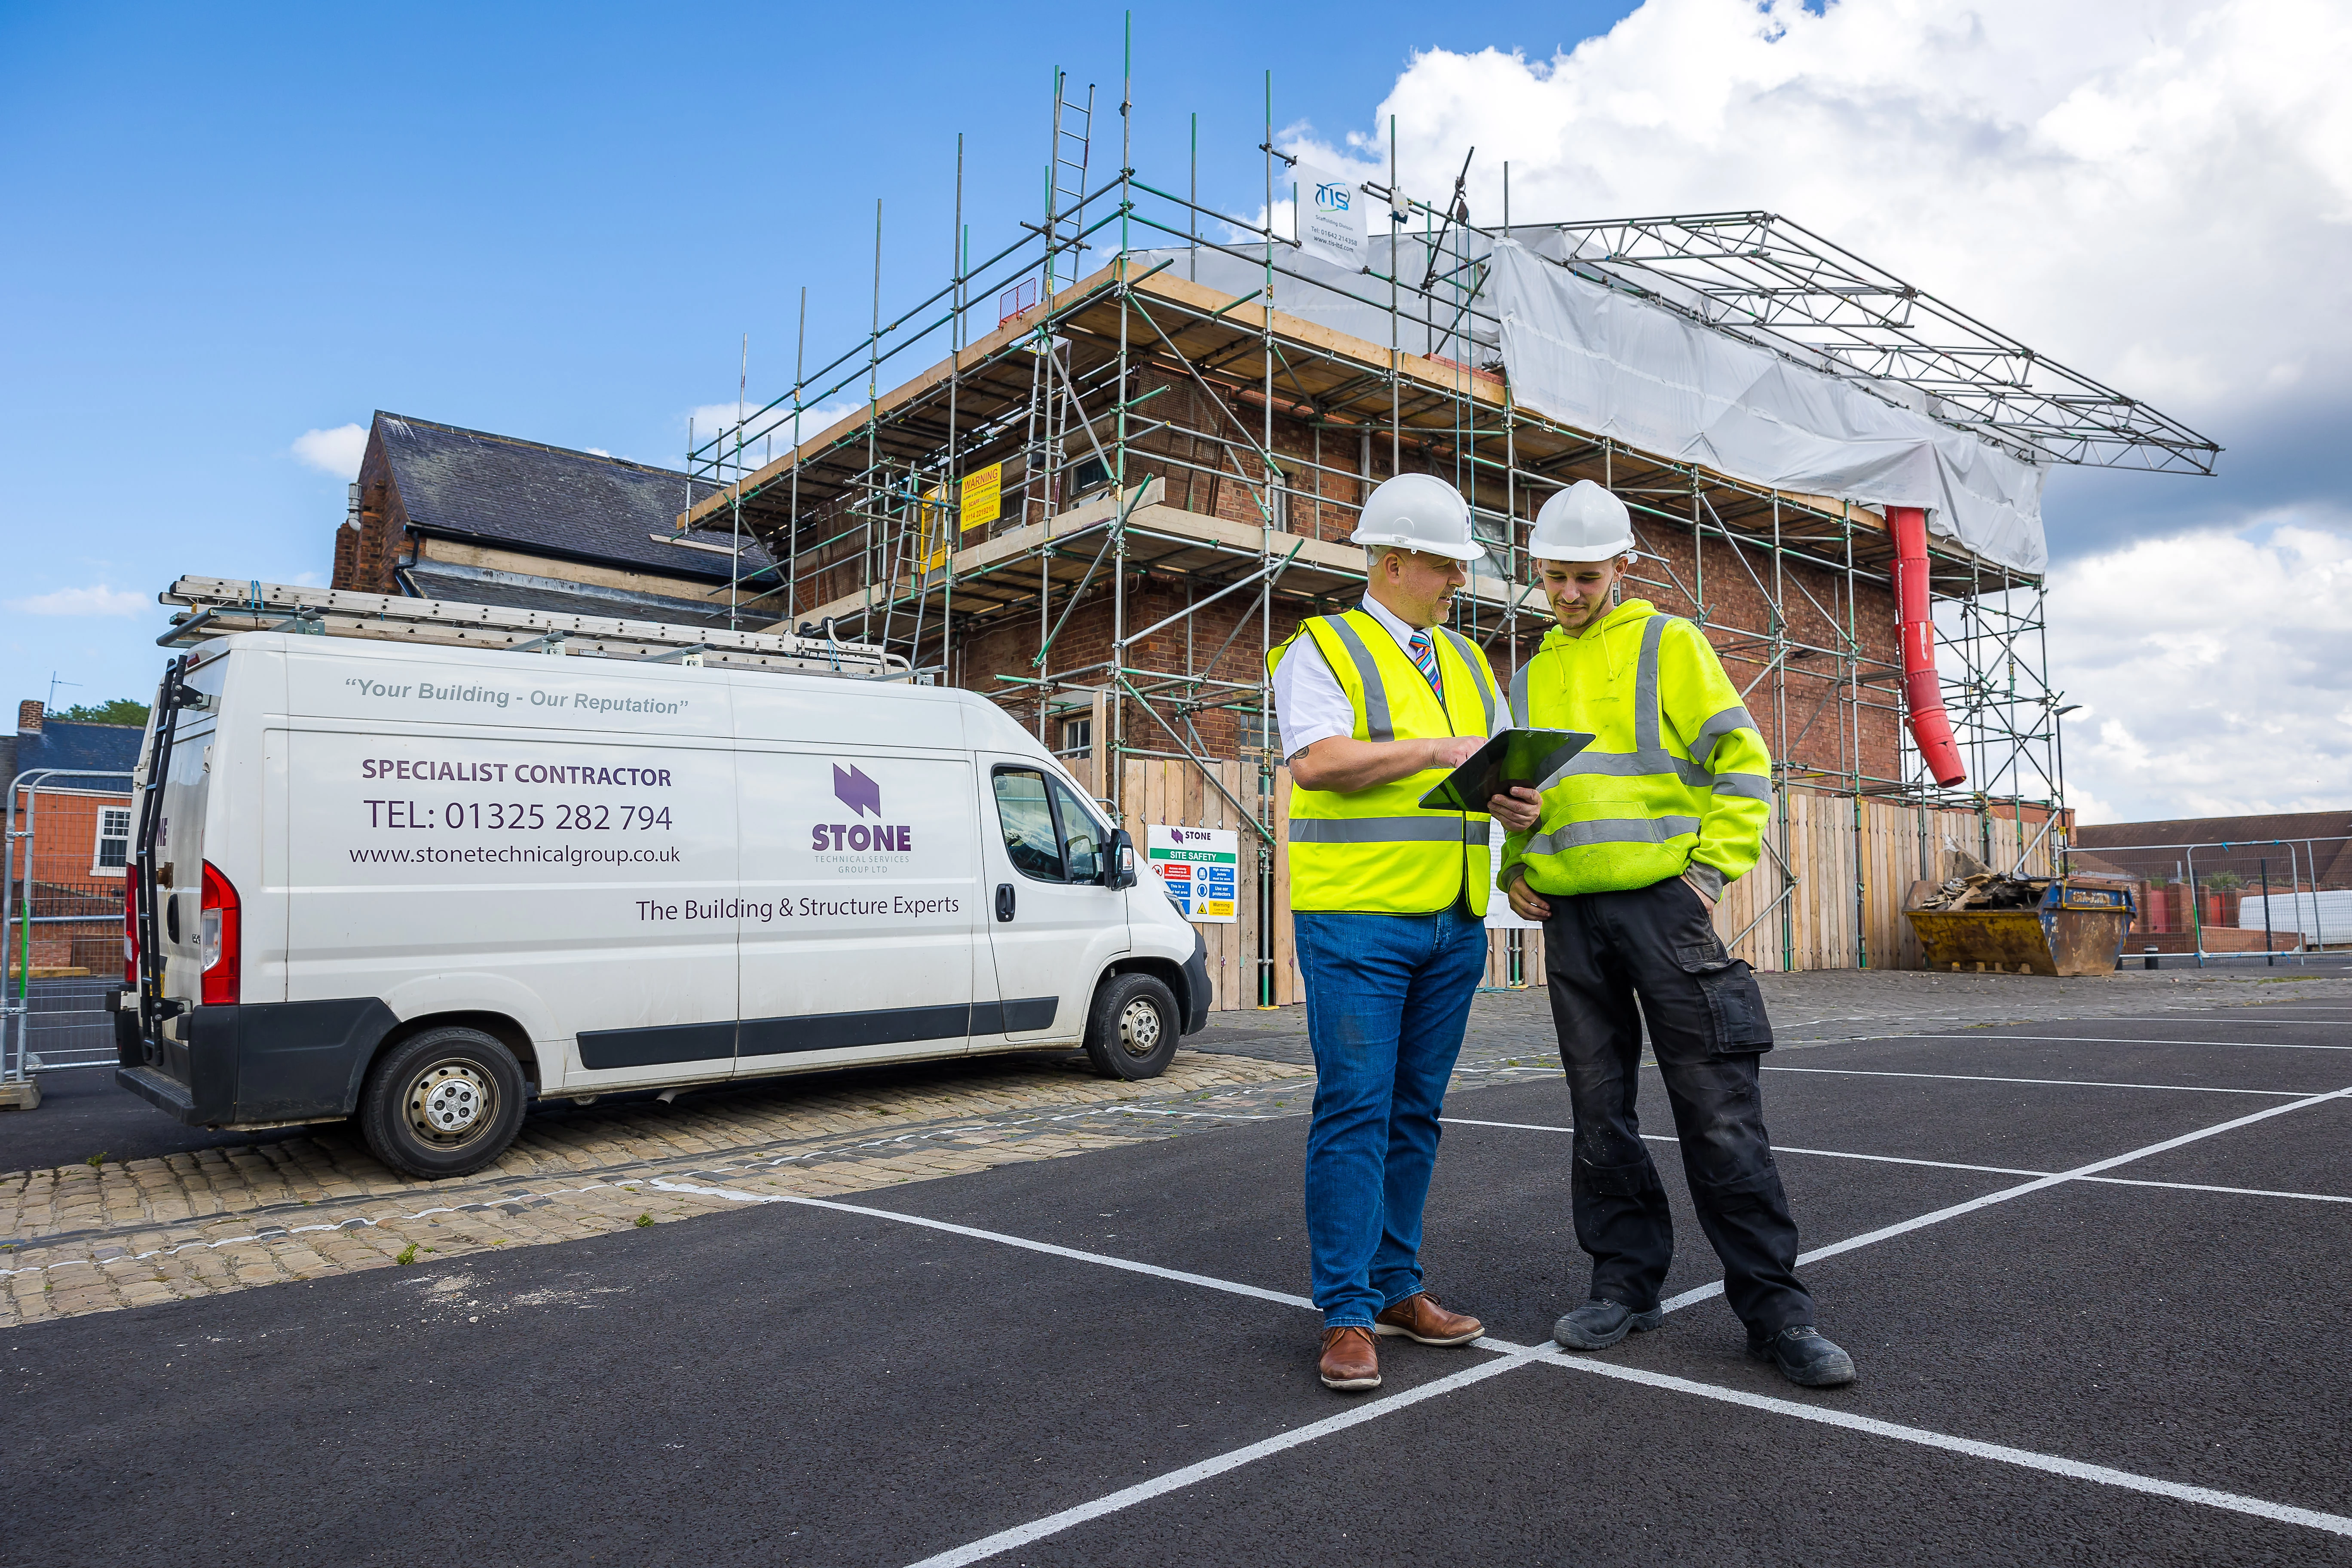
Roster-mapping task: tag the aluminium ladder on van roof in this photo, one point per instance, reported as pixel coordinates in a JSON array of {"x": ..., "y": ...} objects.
[{"x": 222, "y": 605}]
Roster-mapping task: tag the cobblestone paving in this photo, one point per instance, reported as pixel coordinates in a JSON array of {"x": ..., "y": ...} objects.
[
  {"x": 84, "y": 1240},
  {"x": 94, "y": 1238}
]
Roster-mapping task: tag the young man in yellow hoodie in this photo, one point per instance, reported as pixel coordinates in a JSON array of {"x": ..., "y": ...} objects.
[{"x": 1637, "y": 835}]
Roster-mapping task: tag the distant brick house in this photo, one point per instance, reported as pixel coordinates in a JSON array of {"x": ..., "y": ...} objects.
[
  {"x": 81, "y": 839},
  {"x": 2202, "y": 876}
]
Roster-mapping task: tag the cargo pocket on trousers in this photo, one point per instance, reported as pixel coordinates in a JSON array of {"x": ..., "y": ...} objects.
[{"x": 1735, "y": 1004}]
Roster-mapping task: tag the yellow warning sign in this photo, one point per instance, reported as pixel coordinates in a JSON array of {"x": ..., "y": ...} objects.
[
  {"x": 984, "y": 496},
  {"x": 937, "y": 532}
]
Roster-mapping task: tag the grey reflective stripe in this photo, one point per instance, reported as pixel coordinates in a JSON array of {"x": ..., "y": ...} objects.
[
  {"x": 1478, "y": 672},
  {"x": 1735, "y": 717},
  {"x": 1753, "y": 786},
  {"x": 1376, "y": 695},
  {"x": 1610, "y": 830},
  {"x": 1629, "y": 765},
  {"x": 1519, "y": 697},
  {"x": 1387, "y": 830},
  {"x": 1645, "y": 685}
]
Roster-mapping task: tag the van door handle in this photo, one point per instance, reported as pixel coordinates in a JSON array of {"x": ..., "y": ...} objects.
[{"x": 1004, "y": 900}]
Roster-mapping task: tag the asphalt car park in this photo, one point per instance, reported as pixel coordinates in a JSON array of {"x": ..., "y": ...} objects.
[{"x": 2092, "y": 1271}]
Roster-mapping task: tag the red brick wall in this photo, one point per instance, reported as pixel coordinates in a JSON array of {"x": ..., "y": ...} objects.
[{"x": 63, "y": 850}]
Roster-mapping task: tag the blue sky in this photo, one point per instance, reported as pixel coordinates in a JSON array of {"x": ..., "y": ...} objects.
[
  {"x": 231, "y": 225},
  {"x": 238, "y": 224}
]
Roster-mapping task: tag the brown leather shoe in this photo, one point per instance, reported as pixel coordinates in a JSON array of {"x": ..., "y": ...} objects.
[
  {"x": 1350, "y": 1362},
  {"x": 1420, "y": 1319}
]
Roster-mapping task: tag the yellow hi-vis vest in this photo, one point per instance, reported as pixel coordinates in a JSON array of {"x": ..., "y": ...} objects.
[
  {"x": 1677, "y": 779},
  {"x": 1376, "y": 850}
]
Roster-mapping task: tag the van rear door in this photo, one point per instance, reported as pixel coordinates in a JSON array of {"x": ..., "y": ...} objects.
[
  {"x": 180, "y": 863},
  {"x": 1053, "y": 926}
]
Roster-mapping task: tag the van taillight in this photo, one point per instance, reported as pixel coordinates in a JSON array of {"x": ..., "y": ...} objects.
[
  {"x": 218, "y": 940},
  {"x": 131, "y": 926}
]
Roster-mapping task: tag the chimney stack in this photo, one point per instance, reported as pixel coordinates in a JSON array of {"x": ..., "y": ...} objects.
[{"x": 29, "y": 717}]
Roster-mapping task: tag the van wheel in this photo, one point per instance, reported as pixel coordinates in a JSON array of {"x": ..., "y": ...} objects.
[
  {"x": 446, "y": 1103},
  {"x": 1131, "y": 1032}
]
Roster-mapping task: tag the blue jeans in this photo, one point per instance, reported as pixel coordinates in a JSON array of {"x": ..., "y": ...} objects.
[{"x": 1387, "y": 998}]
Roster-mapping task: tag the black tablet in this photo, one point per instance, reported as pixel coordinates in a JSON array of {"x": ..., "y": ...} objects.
[{"x": 1512, "y": 758}]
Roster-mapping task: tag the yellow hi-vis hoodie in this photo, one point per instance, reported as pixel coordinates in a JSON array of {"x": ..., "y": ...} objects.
[{"x": 1677, "y": 780}]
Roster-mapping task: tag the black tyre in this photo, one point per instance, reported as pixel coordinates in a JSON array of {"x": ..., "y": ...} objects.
[
  {"x": 446, "y": 1103},
  {"x": 1132, "y": 1031}
]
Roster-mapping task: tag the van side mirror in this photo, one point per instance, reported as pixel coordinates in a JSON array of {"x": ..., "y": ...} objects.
[{"x": 1118, "y": 865}]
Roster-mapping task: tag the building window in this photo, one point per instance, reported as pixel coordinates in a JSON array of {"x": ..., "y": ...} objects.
[
  {"x": 1078, "y": 737},
  {"x": 113, "y": 850}
]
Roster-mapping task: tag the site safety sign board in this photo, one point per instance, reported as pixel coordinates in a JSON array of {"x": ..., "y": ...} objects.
[{"x": 1198, "y": 865}]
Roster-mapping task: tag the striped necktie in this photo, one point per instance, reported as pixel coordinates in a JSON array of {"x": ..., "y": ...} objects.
[{"x": 1424, "y": 658}]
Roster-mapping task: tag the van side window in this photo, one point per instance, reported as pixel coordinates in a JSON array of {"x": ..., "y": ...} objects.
[
  {"x": 1027, "y": 814},
  {"x": 1082, "y": 837}
]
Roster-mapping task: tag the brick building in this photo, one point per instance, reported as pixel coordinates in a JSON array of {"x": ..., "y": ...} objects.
[
  {"x": 81, "y": 839},
  {"x": 444, "y": 512}
]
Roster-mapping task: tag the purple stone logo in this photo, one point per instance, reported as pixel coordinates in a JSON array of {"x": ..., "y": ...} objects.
[
  {"x": 855, "y": 791},
  {"x": 863, "y": 795}
]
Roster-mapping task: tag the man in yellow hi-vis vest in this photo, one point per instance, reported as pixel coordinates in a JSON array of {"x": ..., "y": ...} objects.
[
  {"x": 1388, "y": 899},
  {"x": 1638, "y": 835}
]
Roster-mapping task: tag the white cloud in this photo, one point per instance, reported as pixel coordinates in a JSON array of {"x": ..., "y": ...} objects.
[
  {"x": 337, "y": 451},
  {"x": 2157, "y": 193},
  {"x": 96, "y": 600},
  {"x": 2215, "y": 668}
]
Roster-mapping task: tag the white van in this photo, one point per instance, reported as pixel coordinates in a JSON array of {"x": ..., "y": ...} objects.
[{"x": 421, "y": 886}]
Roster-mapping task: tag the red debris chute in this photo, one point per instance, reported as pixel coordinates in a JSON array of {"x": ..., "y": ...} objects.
[{"x": 1923, "y": 694}]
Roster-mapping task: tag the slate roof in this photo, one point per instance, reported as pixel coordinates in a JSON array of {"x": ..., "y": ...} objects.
[
  {"x": 62, "y": 743},
  {"x": 548, "y": 501}
]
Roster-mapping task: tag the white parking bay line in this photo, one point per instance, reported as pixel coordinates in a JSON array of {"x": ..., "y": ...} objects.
[
  {"x": 1509, "y": 1356},
  {"x": 2107, "y": 1040},
  {"x": 1705, "y": 1292},
  {"x": 1956, "y": 1165},
  {"x": 1999, "y": 1453},
  {"x": 2058, "y": 1082},
  {"x": 1231, "y": 1287},
  {"x": 1191, "y": 1475}
]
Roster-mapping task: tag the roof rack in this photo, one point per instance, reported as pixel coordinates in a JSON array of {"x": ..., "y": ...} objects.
[{"x": 219, "y": 607}]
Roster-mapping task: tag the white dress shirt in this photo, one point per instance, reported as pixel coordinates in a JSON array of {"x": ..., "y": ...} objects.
[{"x": 1308, "y": 701}]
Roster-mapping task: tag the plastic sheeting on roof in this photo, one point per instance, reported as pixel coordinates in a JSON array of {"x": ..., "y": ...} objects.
[
  {"x": 1345, "y": 301},
  {"x": 1609, "y": 363}
]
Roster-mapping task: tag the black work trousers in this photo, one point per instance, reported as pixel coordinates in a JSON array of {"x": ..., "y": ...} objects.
[{"x": 1708, "y": 1026}]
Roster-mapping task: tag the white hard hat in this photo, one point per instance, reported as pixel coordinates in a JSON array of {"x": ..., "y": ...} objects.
[
  {"x": 1582, "y": 522},
  {"x": 1419, "y": 512}
]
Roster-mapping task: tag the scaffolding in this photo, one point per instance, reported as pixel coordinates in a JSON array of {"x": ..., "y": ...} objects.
[{"x": 1182, "y": 412}]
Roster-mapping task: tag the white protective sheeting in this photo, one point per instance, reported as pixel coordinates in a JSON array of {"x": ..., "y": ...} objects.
[
  {"x": 1608, "y": 363},
  {"x": 1346, "y": 302}
]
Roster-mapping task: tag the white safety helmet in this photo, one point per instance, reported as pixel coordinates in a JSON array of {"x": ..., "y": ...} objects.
[
  {"x": 1582, "y": 522},
  {"x": 1419, "y": 512}
]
